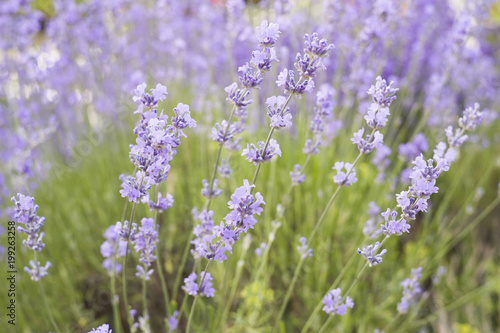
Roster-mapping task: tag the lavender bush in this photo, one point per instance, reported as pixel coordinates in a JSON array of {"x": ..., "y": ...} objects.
[{"x": 260, "y": 166}]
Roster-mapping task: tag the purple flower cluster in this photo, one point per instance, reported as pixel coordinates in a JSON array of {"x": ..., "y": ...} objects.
[
  {"x": 192, "y": 287},
  {"x": 279, "y": 117},
  {"x": 411, "y": 290},
  {"x": 102, "y": 329},
  {"x": 424, "y": 174},
  {"x": 213, "y": 241},
  {"x": 258, "y": 155},
  {"x": 25, "y": 213},
  {"x": 173, "y": 321},
  {"x": 145, "y": 241},
  {"x": 304, "y": 250},
  {"x": 377, "y": 116},
  {"x": 297, "y": 176},
  {"x": 344, "y": 178},
  {"x": 371, "y": 255},
  {"x": 334, "y": 303},
  {"x": 114, "y": 247},
  {"x": 156, "y": 142},
  {"x": 372, "y": 226},
  {"x": 315, "y": 49}
]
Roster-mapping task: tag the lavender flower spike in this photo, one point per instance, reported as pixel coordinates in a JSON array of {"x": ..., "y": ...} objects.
[
  {"x": 257, "y": 155},
  {"x": 333, "y": 304},
  {"x": 411, "y": 290},
  {"x": 346, "y": 178},
  {"x": 304, "y": 251},
  {"x": 371, "y": 255},
  {"x": 267, "y": 34}
]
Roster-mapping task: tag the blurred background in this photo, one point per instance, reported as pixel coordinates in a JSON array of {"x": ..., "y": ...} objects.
[{"x": 68, "y": 70}]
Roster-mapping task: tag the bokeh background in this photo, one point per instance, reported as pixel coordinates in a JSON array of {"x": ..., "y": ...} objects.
[{"x": 67, "y": 74}]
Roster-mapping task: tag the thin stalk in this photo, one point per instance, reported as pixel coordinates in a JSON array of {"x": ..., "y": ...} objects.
[
  {"x": 49, "y": 308},
  {"x": 144, "y": 297},
  {"x": 196, "y": 298},
  {"x": 159, "y": 265},
  {"x": 389, "y": 324},
  {"x": 124, "y": 270},
  {"x": 269, "y": 136},
  {"x": 116, "y": 312},
  {"x": 181, "y": 268},
  {"x": 289, "y": 292},
  {"x": 325, "y": 325}
]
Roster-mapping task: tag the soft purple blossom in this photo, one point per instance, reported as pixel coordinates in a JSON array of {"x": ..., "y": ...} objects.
[
  {"x": 26, "y": 214},
  {"x": 101, "y": 329},
  {"x": 296, "y": 175},
  {"x": 223, "y": 169},
  {"x": 471, "y": 118},
  {"x": 134, "y": 188},
  {"x": 37, "y": 271},
  {"x": 383, "y": 93},
  {"x": 303, "y": 249},
  {"x": 311, "y": 148},
  {"x": 173, "y": 321},
  {"x": 145, "y": 241},
  {"x": 371, "y": 255},
  {"x": 456, "y": 139},
  {"x": 279, "y": 117},
  {"x": 267, "y": 34},
  {"x": 182, "y": 117},
  {"x": 411, "y": 290},
  {"x": 258, "y": 251},
  {"x": 113, "y": 247},
  {"x": 371, "y": 142},
  {"x": 414, "y": 148},
  {"x": 262, "y": 60},
  {"x": 286, "y": 79},
  {"x": 334, "y": 303},
  {"x": 207, "y": 193},
  {"x": 316, "y": 47},
  {"x": 257, "y": 155},
  {"x": 162, "y": 204},
  {"x": 393, "y": 225},
  {"x": 377, "y": 116},
  {"x": 344, "y": 178},
  {"x": 191, "y": 285}
]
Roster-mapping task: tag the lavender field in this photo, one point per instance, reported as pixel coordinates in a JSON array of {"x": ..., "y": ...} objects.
[{"x": 250, "y": 166}]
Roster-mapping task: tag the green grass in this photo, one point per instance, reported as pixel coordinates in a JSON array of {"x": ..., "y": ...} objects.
[{"x": 80, "y": 203}]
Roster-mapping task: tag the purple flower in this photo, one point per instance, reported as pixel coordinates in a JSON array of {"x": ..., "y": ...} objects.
[
  {"x": 26, "y": 214},
  {"x": 377, "y": 116},
  {"x": 471, "y": 118},
  {"x": 224, "y": 170},
  {"x": 371, "y": 142},
  {"x": 205, "y": 191},
  {"x": 371, "y": 228},
  {"x": 134, "y": 188},
  {"x": 101, "y": 329},
  {"x": 414, "y": 148},
  {"x": 182, "y": 117},
  {"x": 346, "y": 178},
  {"x": 267, "y": 34},
  {"x": 249, "y": 78},
  {"x": 394, "y": 226},
  {"x": 334, "y": 305},
  {"x": 371, "y": 255},
  {"x": 262, "y": 60},
  {"x": 161, "y": 204},
  {"x": 286, "y": 79},
  {"x": 173, "y": 321},
  {"x": 307, "y": 65},
  {"x": 310, "y": 148},
  {"x": 257, "y": 155},
  {"x": 383, "y": 93},
  {"x": 203, "y": 231},
  {"x": 221, "y": 133},
  {"x": 258, "y": 251},
  {"x": 190, "y": 285},
  {"x": 427, "y": 170},
  {"x": 37, "y": 271},
  {"x": 145, "y": 241},
  {"x": 411, "y": 290},
  {"x": 316, "y": 47},
  {"x": 457, "y": 139},
  {"x": 296, "y": 176},
  {"x": 151, "y": 99},
  {"x": 279, "y": 117},
  {"x": 113, "y": 247},
  {"x": 237, "y": 96},
  {"x": 304, "y": 251}
]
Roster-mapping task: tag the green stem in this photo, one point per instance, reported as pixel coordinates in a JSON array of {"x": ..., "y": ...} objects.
[
  {"x": 124, "y": 270},
  {"x": 116, "y": 312},
  {"x": 49, "y": 308},
  {"x": 159, "y": 265},
  {"x": 289, "y": 292},
  {"x": 325, "y": 325},
  {"x": 144, "y": 297}
]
